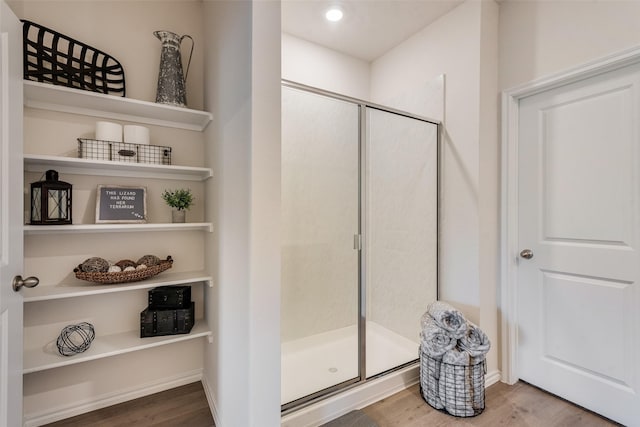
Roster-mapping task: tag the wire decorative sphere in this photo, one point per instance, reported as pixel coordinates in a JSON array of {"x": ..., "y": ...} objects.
[{"x": 75, "y": 339}]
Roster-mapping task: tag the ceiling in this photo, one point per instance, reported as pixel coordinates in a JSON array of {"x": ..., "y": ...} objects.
[{"x": 369, "y": 27}]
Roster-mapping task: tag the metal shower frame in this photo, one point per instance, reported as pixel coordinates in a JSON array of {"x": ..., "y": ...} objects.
[{"x": 362, "y": 285}]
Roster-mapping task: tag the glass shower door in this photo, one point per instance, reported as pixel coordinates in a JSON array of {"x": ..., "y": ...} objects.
[
  {"x": 320, "y": 215},
  {"x": 401, "y": 228}
]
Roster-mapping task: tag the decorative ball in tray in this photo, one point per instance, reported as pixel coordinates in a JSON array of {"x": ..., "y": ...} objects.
[{"x": 99, "y": 270}]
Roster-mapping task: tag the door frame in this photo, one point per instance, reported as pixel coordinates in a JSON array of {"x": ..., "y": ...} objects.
[{"x": 509, "y": 248}]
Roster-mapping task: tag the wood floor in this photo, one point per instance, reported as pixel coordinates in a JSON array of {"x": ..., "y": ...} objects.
[
  {"x": 520, "y": 405},
  {"x": 184, "y": 406}
]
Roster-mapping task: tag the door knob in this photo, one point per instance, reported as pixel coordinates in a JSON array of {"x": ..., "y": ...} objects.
[
  {"x": 29, "y": 282},
  {"x": 526, "y": 253}
]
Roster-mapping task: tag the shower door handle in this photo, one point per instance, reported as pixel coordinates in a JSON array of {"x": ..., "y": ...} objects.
[{"x": 357, "y": 242}]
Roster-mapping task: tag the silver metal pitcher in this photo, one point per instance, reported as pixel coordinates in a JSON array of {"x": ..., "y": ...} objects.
[{"x": 171, "y": 80}]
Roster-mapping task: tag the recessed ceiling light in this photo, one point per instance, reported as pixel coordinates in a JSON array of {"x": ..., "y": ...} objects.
[{"x": 334, "y": 14}]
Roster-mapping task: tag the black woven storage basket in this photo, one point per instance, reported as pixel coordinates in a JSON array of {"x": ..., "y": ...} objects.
[{"x": 51, "y": 57}]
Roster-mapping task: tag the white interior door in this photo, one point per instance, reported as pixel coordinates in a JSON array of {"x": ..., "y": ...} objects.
[
  {"x": 578, "y": 214},
  {"x": 11, "y": 217}
]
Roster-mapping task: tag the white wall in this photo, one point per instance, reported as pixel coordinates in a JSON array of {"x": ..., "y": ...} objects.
[
  {"x": 313, "y": 65},
  {"x": 242, "y": 64},
  {"x": 489, "y": 178},
  {"x": 459, "y": 45},
  {"x": 538, "y": 38},
  {"x": 264, "y": 304}
]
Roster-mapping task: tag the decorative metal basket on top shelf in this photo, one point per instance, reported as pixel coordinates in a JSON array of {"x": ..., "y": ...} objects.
[
  {"x": 123, "y": 152},
  {"x": 51, "y": 57}
]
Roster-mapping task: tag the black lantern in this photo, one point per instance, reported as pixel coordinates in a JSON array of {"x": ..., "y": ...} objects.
[{"x": 50, "y": 201}]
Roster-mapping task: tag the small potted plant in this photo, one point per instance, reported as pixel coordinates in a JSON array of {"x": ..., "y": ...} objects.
[{"x": 180, "y": 200}]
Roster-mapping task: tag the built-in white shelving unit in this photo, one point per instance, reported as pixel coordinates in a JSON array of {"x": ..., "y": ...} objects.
[
  {"x": 105, "y": 346},
  {"x": 115, "y": 228},
  {"x": 74, "y": 165},
  {"x": 77, "y": 288},
  {"x": 74, "y": 101},
  {"x": 68, "y": 100}
]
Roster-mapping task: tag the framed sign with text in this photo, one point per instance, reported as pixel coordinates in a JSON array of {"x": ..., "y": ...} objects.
[{"x": 116, "y": 203}]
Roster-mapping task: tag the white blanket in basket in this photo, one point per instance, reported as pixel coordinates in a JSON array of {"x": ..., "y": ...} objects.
[
  {"x": 474, "y": 341},
  {"x": 434, "y": 340},
  {"x": 448, "y": 318}
]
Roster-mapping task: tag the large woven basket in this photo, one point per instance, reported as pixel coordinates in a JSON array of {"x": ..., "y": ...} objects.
[
  {"x": 124, "y": 276},
  {"x": 457, "y": 390}
]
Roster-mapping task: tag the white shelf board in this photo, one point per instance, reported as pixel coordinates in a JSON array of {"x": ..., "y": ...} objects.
[
  {"x": 68, "y": 100},
  {"x": 105, "y": 346},
  {"x": 115, "y": 228},
  {"x": 73, "y": 165},
  {"x": 79, "y": 288}
]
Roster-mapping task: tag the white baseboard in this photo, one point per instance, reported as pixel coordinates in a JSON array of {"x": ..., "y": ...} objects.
[
  {"x": 355, "y": 398},
  {"x": 212, "y": 402},
  {"x": 312, "y": 415},
  {"x": 492, "y": 377},
  {"x": 361, "y": 396},
  {"x": 109, "y": 399}
]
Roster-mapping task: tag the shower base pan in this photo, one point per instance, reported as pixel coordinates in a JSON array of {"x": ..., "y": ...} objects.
[{"x": 319, "y": 361}]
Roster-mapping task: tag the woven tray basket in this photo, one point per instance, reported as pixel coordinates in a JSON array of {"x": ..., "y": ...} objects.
[
  {"x": 456, "y": 390},
  {"x": 52, "y": 57},
  {"x": 124, "y": 276}
]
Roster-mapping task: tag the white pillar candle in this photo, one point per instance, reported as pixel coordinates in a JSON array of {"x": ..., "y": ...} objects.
[
  {"x": 134, "y": 134},
  {"x": 108, "y": 131}
]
